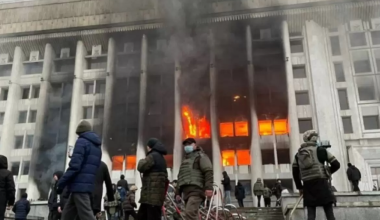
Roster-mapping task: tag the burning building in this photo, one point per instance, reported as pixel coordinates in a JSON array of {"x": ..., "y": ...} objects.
[{"x": 244, "y": 78}]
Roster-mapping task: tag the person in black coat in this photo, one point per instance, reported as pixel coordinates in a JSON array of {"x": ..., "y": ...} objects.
[
  {"x": 102, "y": 176},
  {"x": 7, "y": 187},
  {"x": 123, "y": 183},
  {"x": 53, "y": 201},
  {"x": 354, "y": 176},
  {"x": 240, "y": 194},
  {"x": 227, "y": 188},
  {"x": 22, "y": 208}
]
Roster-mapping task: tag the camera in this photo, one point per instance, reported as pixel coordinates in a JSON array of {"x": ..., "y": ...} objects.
[{"x": 324, "y": 144}]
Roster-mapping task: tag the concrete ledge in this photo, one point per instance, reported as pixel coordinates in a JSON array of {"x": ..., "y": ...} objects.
[{"x": 350, "y": 206}]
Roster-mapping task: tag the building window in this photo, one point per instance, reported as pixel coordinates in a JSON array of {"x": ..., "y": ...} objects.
[
  {"x": 18, "y": 142},
  {"x": 371, "y": 122},
  {"x": 99, "y": 111},
  {"x": 361, "y": 61},
  {"x": 366, "y": 88},
  {"x": 87, "y": 112},
  {"x": 32, "y": 116},
  {"x": 375, "y": 35},
  {"x": 302, "y": 98},
  {"x": 226, "y": 129},
  {"x": 29, "y": 141},
  {"x": 343, "y": 100},
  {"x": 89, "y": 88},
  {"x": 25, "y": 93},
  {"x": 100, "y": 87},
  {"x": 358, "y": 39},
  {"x": 2, "y": 114},
  {"x": 117, "y": 162},
  {"x": 4, "y": 94},
  {"x": 56, "y": 89},
  {"x": 335, "y": 46},
  {"x": 130, "y": 163},
  {"x": 305, "y": 125},
  {"x": 377, "y": 59},
  {"x": 15, "y": 167},
  {"x": 347, "y": 125},
  {"x": 228, "y": 158},
  {"x": 22, "y": 117},
  {"x": 26, "y": 166},
  {"x": 36, "y": 92},
  {"x": 299, "y": 72},
  {"x": 296, "y": 46},
  {"x": 339, "y": 72}
]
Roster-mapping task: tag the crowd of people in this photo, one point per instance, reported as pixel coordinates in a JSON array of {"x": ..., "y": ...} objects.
[{"x": 78, "y": 192}]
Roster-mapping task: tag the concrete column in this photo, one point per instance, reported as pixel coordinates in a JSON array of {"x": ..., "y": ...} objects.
[
  {"x": 256, "y": 161},
  {"x": 292, "y": 106},
  {"x": 76, "y": 112},
  {"x": 140, "y": 151},
  {"x": 107, "y": 138},
  {"x": 11, "y": 112},
  {"x": 42, "y": 109},
  {"x": 178, "y": 150},
  {"x": 216, "y": 156},
  {"x": 322, "y": 84}
]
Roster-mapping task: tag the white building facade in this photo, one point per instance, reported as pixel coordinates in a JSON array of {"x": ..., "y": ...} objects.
[{"x": 246, "y": 86}]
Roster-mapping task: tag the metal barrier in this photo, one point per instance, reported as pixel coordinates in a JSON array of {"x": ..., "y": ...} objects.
[{"x": 12, "y": 217}]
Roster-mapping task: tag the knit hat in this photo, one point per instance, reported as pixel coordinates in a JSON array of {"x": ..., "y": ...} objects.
[
  {"x": 189, "y": 141},
  {"x": 83, "y": 126},
  {"x": 152, "y": 142},
  {"x": 310, "y": 136},
  {"x": 133, "y": 188}
]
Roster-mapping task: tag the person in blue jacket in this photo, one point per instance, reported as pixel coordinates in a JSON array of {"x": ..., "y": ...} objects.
[
  {"x": 80, "y": 176},
  {"x": 21, "y": 207}
]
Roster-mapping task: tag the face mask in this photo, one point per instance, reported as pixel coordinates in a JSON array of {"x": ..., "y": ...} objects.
[{"x": 189, "y": 149}]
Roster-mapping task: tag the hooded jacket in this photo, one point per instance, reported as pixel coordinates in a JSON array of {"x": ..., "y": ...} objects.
[
  {"x": 258, "y": 188},
  {"x": 102, "y": 176},
  {"x": 129, "y": 203},
  {"x": 7, "y": 184},
  {"x": 239, "y": 191},
  {"x": 53, "y": 202},
  {"x": 155, "y": 176},
  {"x": 353, "y": 173},
  {"x": 21, "y": 208},
  {"x": 83, "y": 166},
  {"x": 226, "y": 181}
]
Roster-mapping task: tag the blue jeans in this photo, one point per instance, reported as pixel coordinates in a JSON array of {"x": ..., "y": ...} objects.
[{"x": 227, "y": 197}]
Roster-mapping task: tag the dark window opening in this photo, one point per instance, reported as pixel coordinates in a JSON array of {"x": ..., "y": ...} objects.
[
  {"x": 371, "y": 122},
  {"x": 347, "y": 125}
]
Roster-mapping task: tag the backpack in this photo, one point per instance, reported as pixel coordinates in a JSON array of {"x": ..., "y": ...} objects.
[
  {"x": 122, "y": 194},
  {"x": 305, "y": 159}
]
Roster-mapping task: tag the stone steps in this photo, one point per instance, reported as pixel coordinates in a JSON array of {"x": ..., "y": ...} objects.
[{"x": 261, "y": 213}]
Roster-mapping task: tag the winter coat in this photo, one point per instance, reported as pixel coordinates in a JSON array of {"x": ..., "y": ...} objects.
[
  {"x": 21, "y": 209},
  {"x": 353, "y": 174},
  {"x": 83, "y": 166},
  {"x": 189, "y": 185},
  {"x": 267, "y": 192},
  {"x": 278, "y": 189},
  {"x": 239, "y": 191},
  {"x": 155, "y": 176},
  {"x": 7, "y": 184},
  {"x": 53, "y": 197},
  {"x": 226, "y": 182},
  {"x": 123, "y": 183},
  {"x": 129, "y": 203},
  {"x": 316, "y": 192},
  {"x": 258, "y": 188},
  {"x": 102, "y": 176}
]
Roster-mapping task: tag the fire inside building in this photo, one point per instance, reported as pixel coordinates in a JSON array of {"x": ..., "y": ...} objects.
[{"x": 245, "y": 81}]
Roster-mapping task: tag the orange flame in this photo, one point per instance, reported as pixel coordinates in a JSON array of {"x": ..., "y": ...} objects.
[{"x": 194, "y": 127}]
